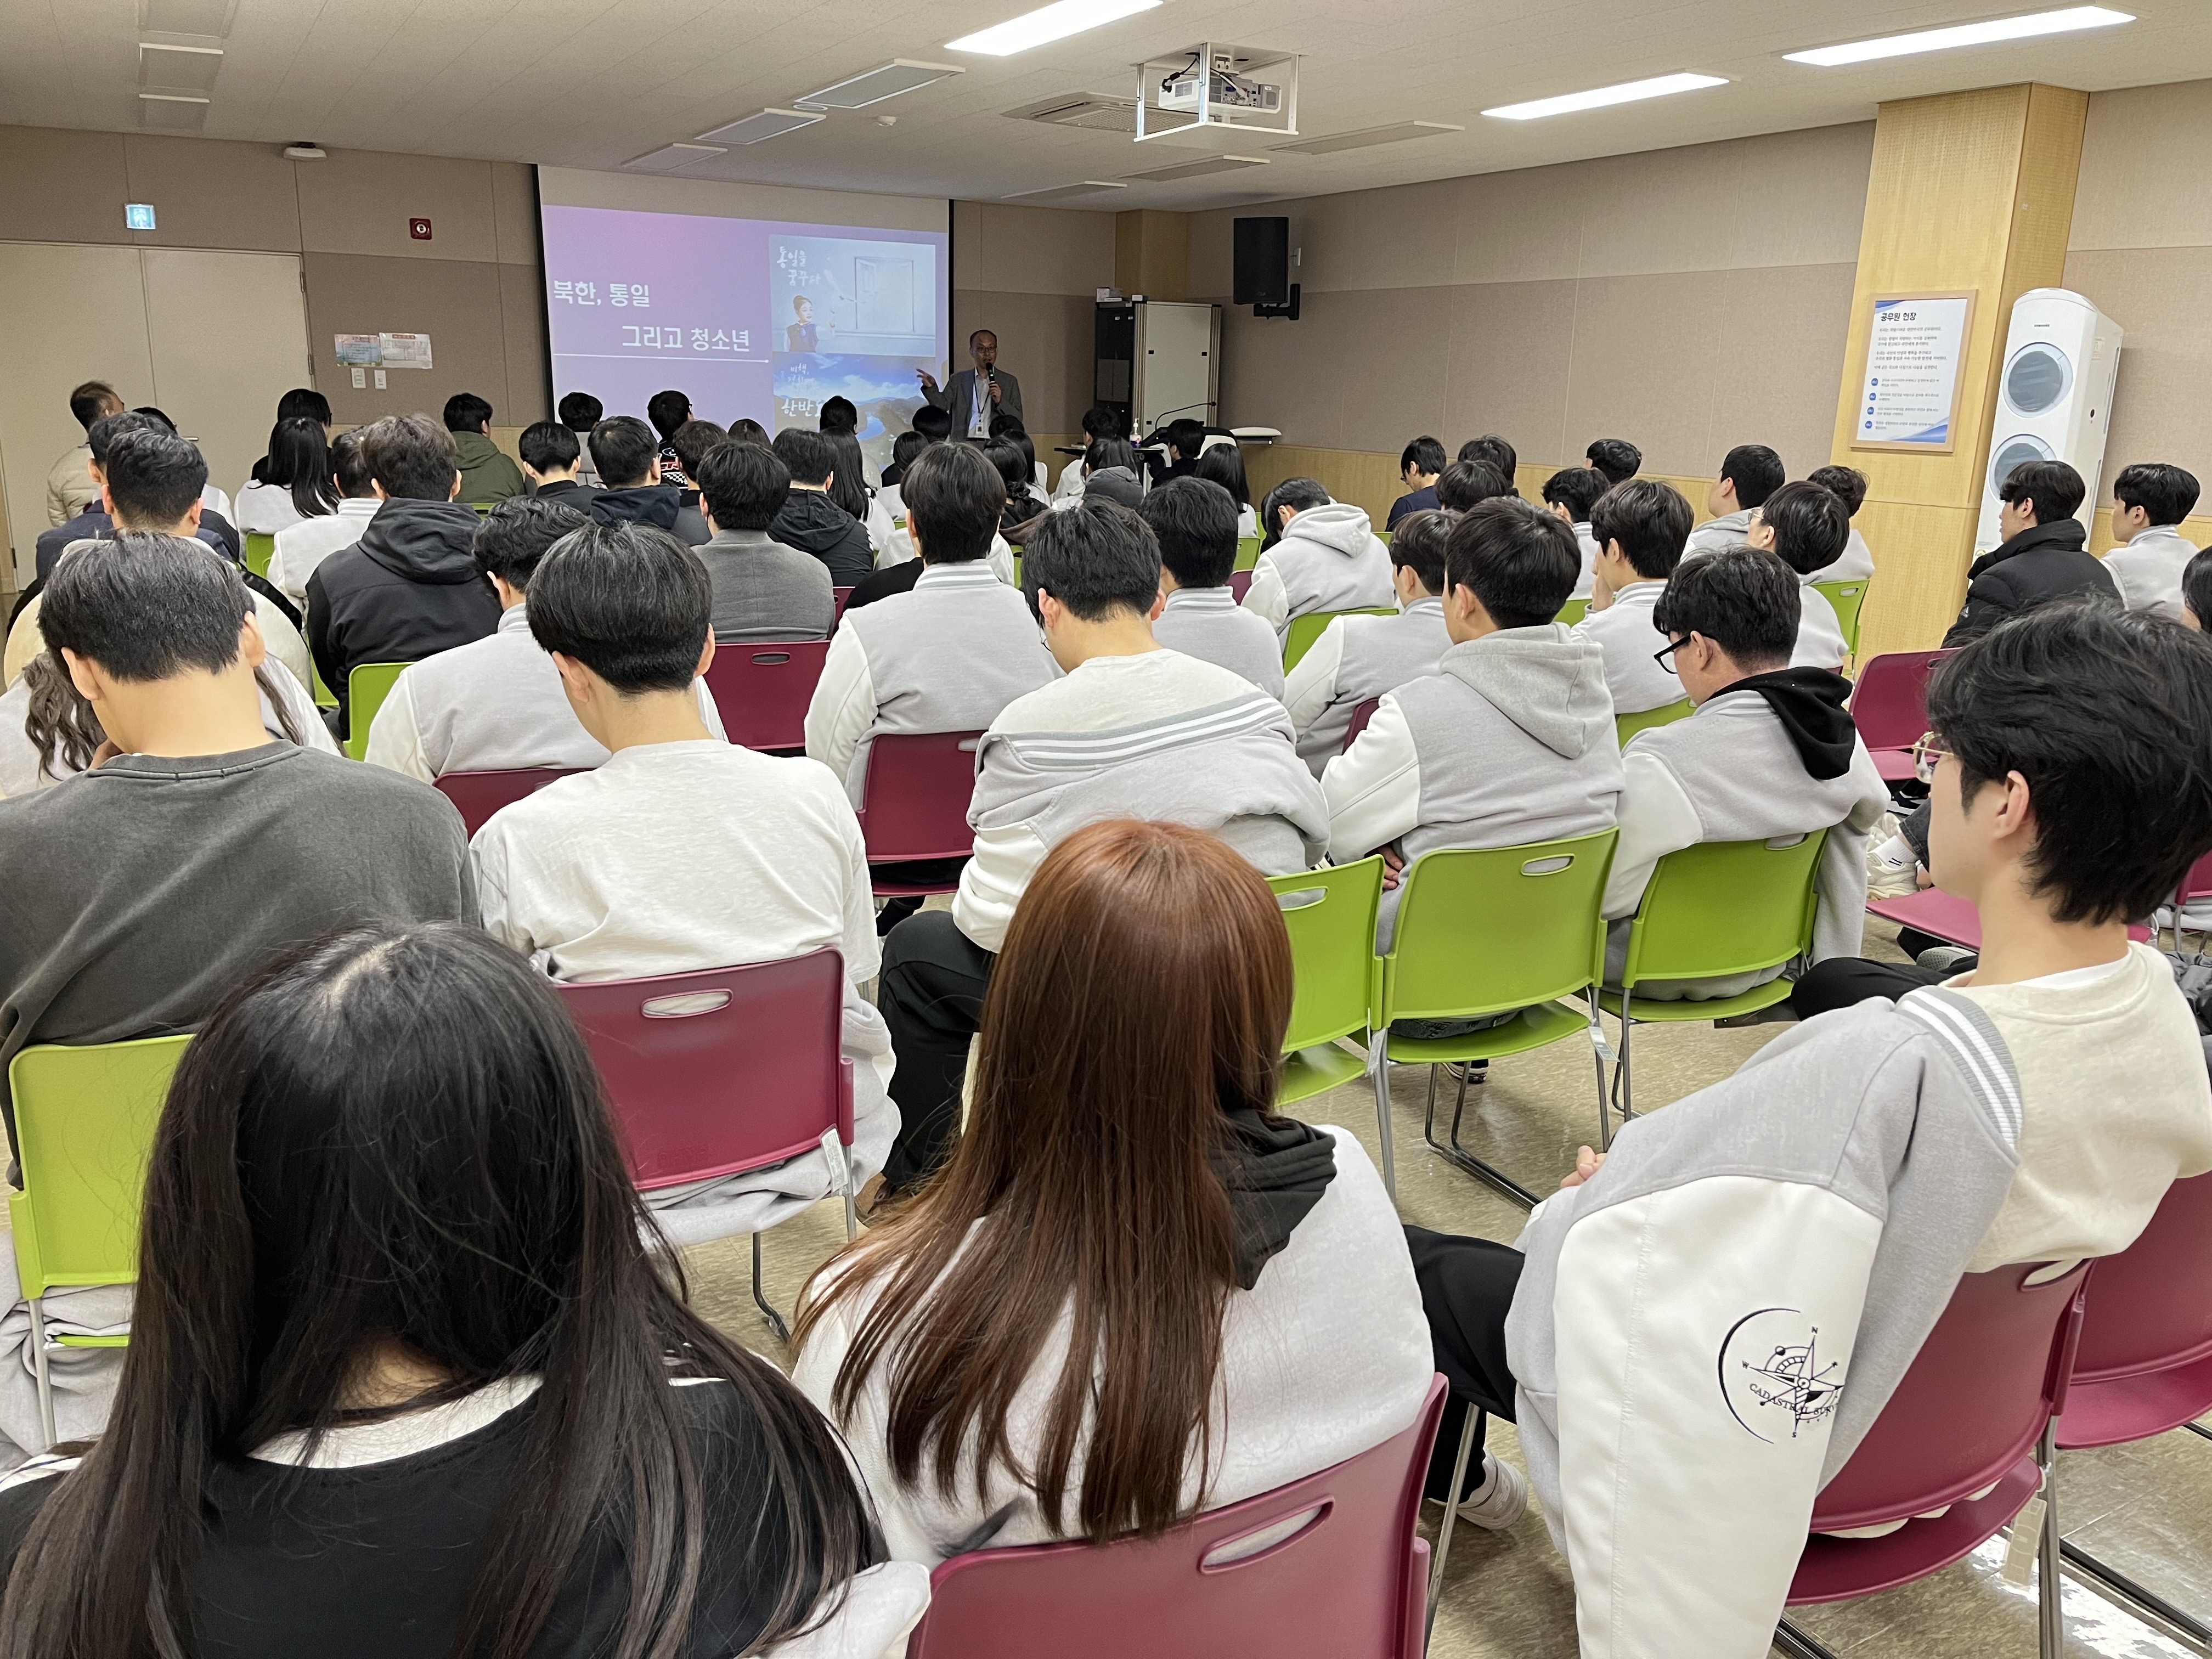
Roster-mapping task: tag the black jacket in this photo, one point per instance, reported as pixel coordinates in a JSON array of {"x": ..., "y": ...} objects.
[
  {"x": 2046, "y": 563},
  {"x": 659, "y": 505},
  {"x": 408, "y": 589},
  {"x": 568, "y": 493},
  {"x": 898, "y": 578},
  {"x": 814, "y": 523}
]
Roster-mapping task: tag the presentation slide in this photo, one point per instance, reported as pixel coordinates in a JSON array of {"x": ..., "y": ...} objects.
[{"x": 757, "y": 317}]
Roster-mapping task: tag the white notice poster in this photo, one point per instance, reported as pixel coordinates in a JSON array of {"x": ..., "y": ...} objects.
[
  {"x": 1915, "y": 349},
  {"x": 404, "y": 350}
]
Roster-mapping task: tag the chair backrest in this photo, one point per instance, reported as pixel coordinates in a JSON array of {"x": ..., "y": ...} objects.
[
  {"x": 838, "y": 596},
  {"x": 1350, "y": 1580},
  {"x": 1625, "y": 726},
  {"x": 1572, "y": 612},
  {"x": 1330, "y": 914},
  {"x": 260, "y": 548},
  {"x": 480, "y": 794},
  {"x": 2151, "y": 1307},
  {"x": 1240, "y": 584},
  {"x": 1849, "y": 599},
  {"x": 367, "y": 687},
  {"x": 84, "y": 1130},
  {"x": 1247, "y": 551},
  {"x": 722, "y": 1069},
  {"x": 1360, "y": 716},
  {"x": 1384, "y": 536},
  {"x": 1488, "y": 931},
  {"x": 1303, "y": 630},
  {"x": 1889, "y": 705},
  {"x": 762, "y": 691},
  {"x": 1974, "y": 1399},
  {"x": 1725, "y": 907},
  {"x": 2197, "y": 883},
  {"x": 914, "y": 801}
]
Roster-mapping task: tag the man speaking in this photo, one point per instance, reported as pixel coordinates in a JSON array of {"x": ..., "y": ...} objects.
[{"x": 977, "y": 394}]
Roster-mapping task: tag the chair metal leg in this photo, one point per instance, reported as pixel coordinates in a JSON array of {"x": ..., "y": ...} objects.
[
  {"x": 2138, "y": 1602},
  {"x": 1469, "y": 1439},
  {"x": 1624, "y": 1084},
  {"x": 1462, "y": 1159},
  {"x": 852, "y": 1215},
  {"x": 1798, "y": 1644},
  {"x": 760, "y": 1297},
  {"x": 46, "y": 1377},
  {"x": 1381, "y": 1068},
  {"x": 2050, "y": 1598}
]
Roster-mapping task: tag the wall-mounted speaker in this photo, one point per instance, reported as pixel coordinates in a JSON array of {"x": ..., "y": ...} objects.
[
  {"x": 1262, "y": 271},
  {"x": 2054, "y": 397}
]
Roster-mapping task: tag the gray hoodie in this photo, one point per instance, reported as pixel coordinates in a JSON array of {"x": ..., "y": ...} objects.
[
  {"x": 1727, "y": 530},
  {"x": 1328, "y": 559}
]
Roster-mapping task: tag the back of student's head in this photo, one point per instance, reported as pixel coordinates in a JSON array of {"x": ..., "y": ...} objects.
[
  {"x": 95, "y": 398},
  {"x": 1755, "y": 471},
  {"x": 1810, "y": 525},
  {"x": 1466, "y": 484},
  {"x": 107, "y": 428},
  {"x": 160, "y": 418},
  {"x": 1013, "y": 467},
  {"x": 1195, "y": 522},
  {"x": 1159, "y": 944},
  {"x": 2104, "y": 713},
  {"x": 1494, "y": 450},
  {"x": 1577, "y": 489},
  {"x": 1300, "y": 494},
  {"x": 2196, "y": 590},
  {"x": 1618, "y": 459},
  {"x": 146, "y": 605},
  {"x": 667, "y": 411},
  {"x": 848, "y": 474},
  {"x": 580, "y": 412},
  {"x": 746, "y": 430},
  {"x": 2164, "y": 493},
  {"x": 466, "y": 412},
  {"x": 624, "y": 450},
  {"x": 2053, "y": 487},
  {"x": 1102, "y": 452},
  {"x": 1097, "y": 559},
  {"x": 1519, "y": 561},
  {"x": 411, "y": 456},
  {"x": 1846, "y": 484},
  {"x": 629, "y": 601},
  {"x": 905, "y": 448},
  {"x": 1099, "y": 421},
  {"x": 811, "y": 456},
  {"x": 742, "y": 486},
  {"x": 1744, "y": 599},
  {"x": 549, "y": 447},
  {"x": 839, "y": 414},
  {"x": 516, "y": 534},
  {"x": 350, "y": 463},
  {"x": 153, "y": 478},
  {"x": 933, "y": 422},
  {"x": 299, "y": 460},
  {"x": 953, "y": 497},
  {"x": 1224, "y": 465},
  {"x": 1418, "y": 545},
  {"x": 1186, "y": 435},
  {"x": 1651, "y": 518},
  {"x": 304, "y": 402},
  {"x": 1004, "y": 425},
  {"x": 692, "y": 441},
  {"x": 1424, "y": 455}
]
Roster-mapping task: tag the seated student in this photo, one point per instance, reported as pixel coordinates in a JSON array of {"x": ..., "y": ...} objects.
[
  {"x": 2148, "y": 500},
  {"x": 1183, "y": 440},
  {"x": 70, "y": 487},
  {"x": 1847, "y": 485},
  {"x": 1023, "y": 503},
  {"x": 1132, "y": 729},
  {"x": 469, "y": 1392},
  {"x": 746, "y": 430},
  {"x": 96, "y": 523},
  {"x": 1274, "y": 1270},
  {"x": 839, "y": 414},
  {"x": 1640, "y": 527},
  {"x": 2043, "y": 556},
  {"x": 1749, "y": 474},
  {"x": 1099, "y": 421},
  {"x": 410, "y": 587},
  {"x": 1224, "y": 465},
  {"x": 215, "y": 507},
  {"x": 1419, "y": 465},
  {"x": 1808, "y": 528},
  {"x": 1493, "y": 452},
  {"x": 763, "y": 589},
  {"x": 668, "y": 411},
  {"x": 580, "y": 412},
  {"x": 1619, "y": 459},
  {"x": 552, "y": 459},
  {"x": 904, "y": 448},
  {"x": 496, "y": 705},
  {"x": 809, "y": 521},
  {"x": 931, "y": 424},
  {"x": 1111, "y": 465},
  {"x": 2197, "y": 592},
  {"x": 1770, "y": 751},
  {"x": 682, "y": 850},
  {"x": 692, "y": 441},
  {"x": 487, "y": 473},
  {"x": 1320, "y": 554},
  {"x": 1195, "y": 522},
  {"x": 293, "y": 483},
  {"x": 633, "y": 489},
  {"x": 1509, "y": 738},
  {"x": 1466, "y": 485},
  {"x": 300, "y": 547},
  {"x": 849, "y": 489},
  {"x": 1571, "y": 493},
  {"x": 1360, "y": 657}
]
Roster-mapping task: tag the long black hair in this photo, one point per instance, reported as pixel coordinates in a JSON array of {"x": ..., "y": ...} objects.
[
  {"x": 299, "y": 460},
  {"x": 848, "y": 485},
  {"x": 395, "y": 1136}
]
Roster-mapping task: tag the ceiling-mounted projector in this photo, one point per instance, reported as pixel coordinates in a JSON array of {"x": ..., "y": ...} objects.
[{"x": 1223, "y": 88}]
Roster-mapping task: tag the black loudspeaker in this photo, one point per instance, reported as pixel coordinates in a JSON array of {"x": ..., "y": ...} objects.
[{"x": 1262, "y": 261}]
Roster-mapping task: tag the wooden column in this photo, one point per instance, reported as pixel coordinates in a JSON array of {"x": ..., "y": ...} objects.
[
  {"x": 1151, "y": 253},
  {"x": 1970, "y": 190}
]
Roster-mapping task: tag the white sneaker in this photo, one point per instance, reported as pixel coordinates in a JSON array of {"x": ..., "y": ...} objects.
[{"x": 1501, "y": 1500}]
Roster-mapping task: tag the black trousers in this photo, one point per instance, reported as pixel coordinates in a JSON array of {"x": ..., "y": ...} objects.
[
  {"x": 1843, "y": 982},
  {"x": 915, "y": 871},
  {"x": 1466, "y": 1290},
  {"x": 931, "y": 996}
]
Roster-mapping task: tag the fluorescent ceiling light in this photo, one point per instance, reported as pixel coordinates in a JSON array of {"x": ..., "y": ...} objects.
[
  {"x": 1964, "y": 35},
  {"x": 1395, "y": 133},
  {"x": 900, "y": 75},
  {"x": 674, "y": 158},
  {"x": 177, "y": 69},
  {"x": 1628, "y": 92},
  {"x": 1198, "y": 169},
  {"x": 763, "y": 123},
  {"x": 1054, "y": 22},
  {"x": 1063, "y": 192}
]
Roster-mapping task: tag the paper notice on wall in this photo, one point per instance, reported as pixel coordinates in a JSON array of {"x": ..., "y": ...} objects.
[
  {"x": 405, "y": 350},
  {"x": 360, "y": 350},
  {"x": 1916, "y": 347}
]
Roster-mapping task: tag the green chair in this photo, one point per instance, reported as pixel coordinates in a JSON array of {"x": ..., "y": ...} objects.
[
  {"x": 1383, "y": 535},
  {"x": 1330, "y": 914},
  {"x": 1572, "y": 612},
  {"x": 325, "y": 697},
  {"x": 1848, "y": 598},
  {"x": 1487, "y": 932},
  {"x": 1304, "y": 630},
  {"x": 1247, "y": 551},
  {"x": 84, "y": 1130},
  {"x": 260, "y": 548},
  {"x": 367, "y": 687},
  {"x": 1718, "y": 909},
  {"x": 1627, "y": 725}
]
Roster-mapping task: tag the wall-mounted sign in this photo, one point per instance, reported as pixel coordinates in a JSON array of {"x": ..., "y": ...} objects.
[
  {"x": 1916, "y": 346},
  {"x": 383, "y": 351},
  {"x": 138, "y": 216}
]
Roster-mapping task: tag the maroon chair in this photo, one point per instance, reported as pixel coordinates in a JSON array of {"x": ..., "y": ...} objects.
[
  {"x": 1934, "y": 912},
  {"x": 841, "y": 595},
  {"x": 914, "y": 804},
  {"x": 2197, "y": 884},
  {"x": 1351, "y": 1580},
  {"x": 722, "y": 1070},
  {"x": 1889, "y": 706},
  {"x": 762, "y": 691},
  {"x": 1973, "y": 1411},
  {"x": 1360, "y": 716},
  {"x": 480, "y": 794},
  {"x": 1240, "y": 584}
]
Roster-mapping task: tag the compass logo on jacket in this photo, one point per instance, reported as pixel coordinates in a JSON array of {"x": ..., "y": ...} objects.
[{"x": 1777, "y": 1381}]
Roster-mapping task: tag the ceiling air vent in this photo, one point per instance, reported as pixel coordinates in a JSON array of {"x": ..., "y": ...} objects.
[{"x": 1099, "y": 111}]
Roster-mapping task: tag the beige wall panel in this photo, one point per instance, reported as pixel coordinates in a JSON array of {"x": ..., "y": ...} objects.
[
  {"x": 359, "y": 202},
  {"x": 514, "y": 213},
  {"x": 1801, "y": 197},
  {"x": 63, "y": 186},
  {"x": 1648, "y": 354},
  {"x": 1363, "y": 478},
  {"x": 1664, "y": 210},
  {"x": 1045, "y": 341},
  {"x": 456, "y": 301},
  {"x": 1519, "y": 226},
  {"x": 229, "y": 338},
  {"x": 1213, "y": 252},
  {"x": 1366, "y": 240},
  {"x": 2163, "y": 298},
  {"x": 2144, "y": 183},
  {"x": 1296, "y": 376},
  {"x": 999, "y": 249},
  {"x": 1376, "y": 394},
  {"x": 1510, "y": 348},
  {"x": 522, "y": 309},
  {"x": 1777, "y": 378},
  {"x": 207, "y": 192}
]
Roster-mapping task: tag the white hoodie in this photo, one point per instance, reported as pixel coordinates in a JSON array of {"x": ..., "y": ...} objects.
[{"x": 1328, "y": 559}]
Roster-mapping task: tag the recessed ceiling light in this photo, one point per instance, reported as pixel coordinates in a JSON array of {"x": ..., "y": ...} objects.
[
  {"x": 1395, "y": 133},
  {"x": 1628, "y": 92},
  {"x": 859, "y": 91},
  {"x": 1198, "y": 169},
  {"x": 177, "y": 69},
  {"x": 763, "y": 123},
  {"x": 673, "y": 158},
  {"x": 174, "y": 111},
  {"x": 1063, "y": 192},
  {"x": 1964, "y": 35},
  {"x": 1054, "y": 22}
]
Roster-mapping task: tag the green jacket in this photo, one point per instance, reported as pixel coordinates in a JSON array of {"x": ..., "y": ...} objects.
[{"x": 486, "y": 474}]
